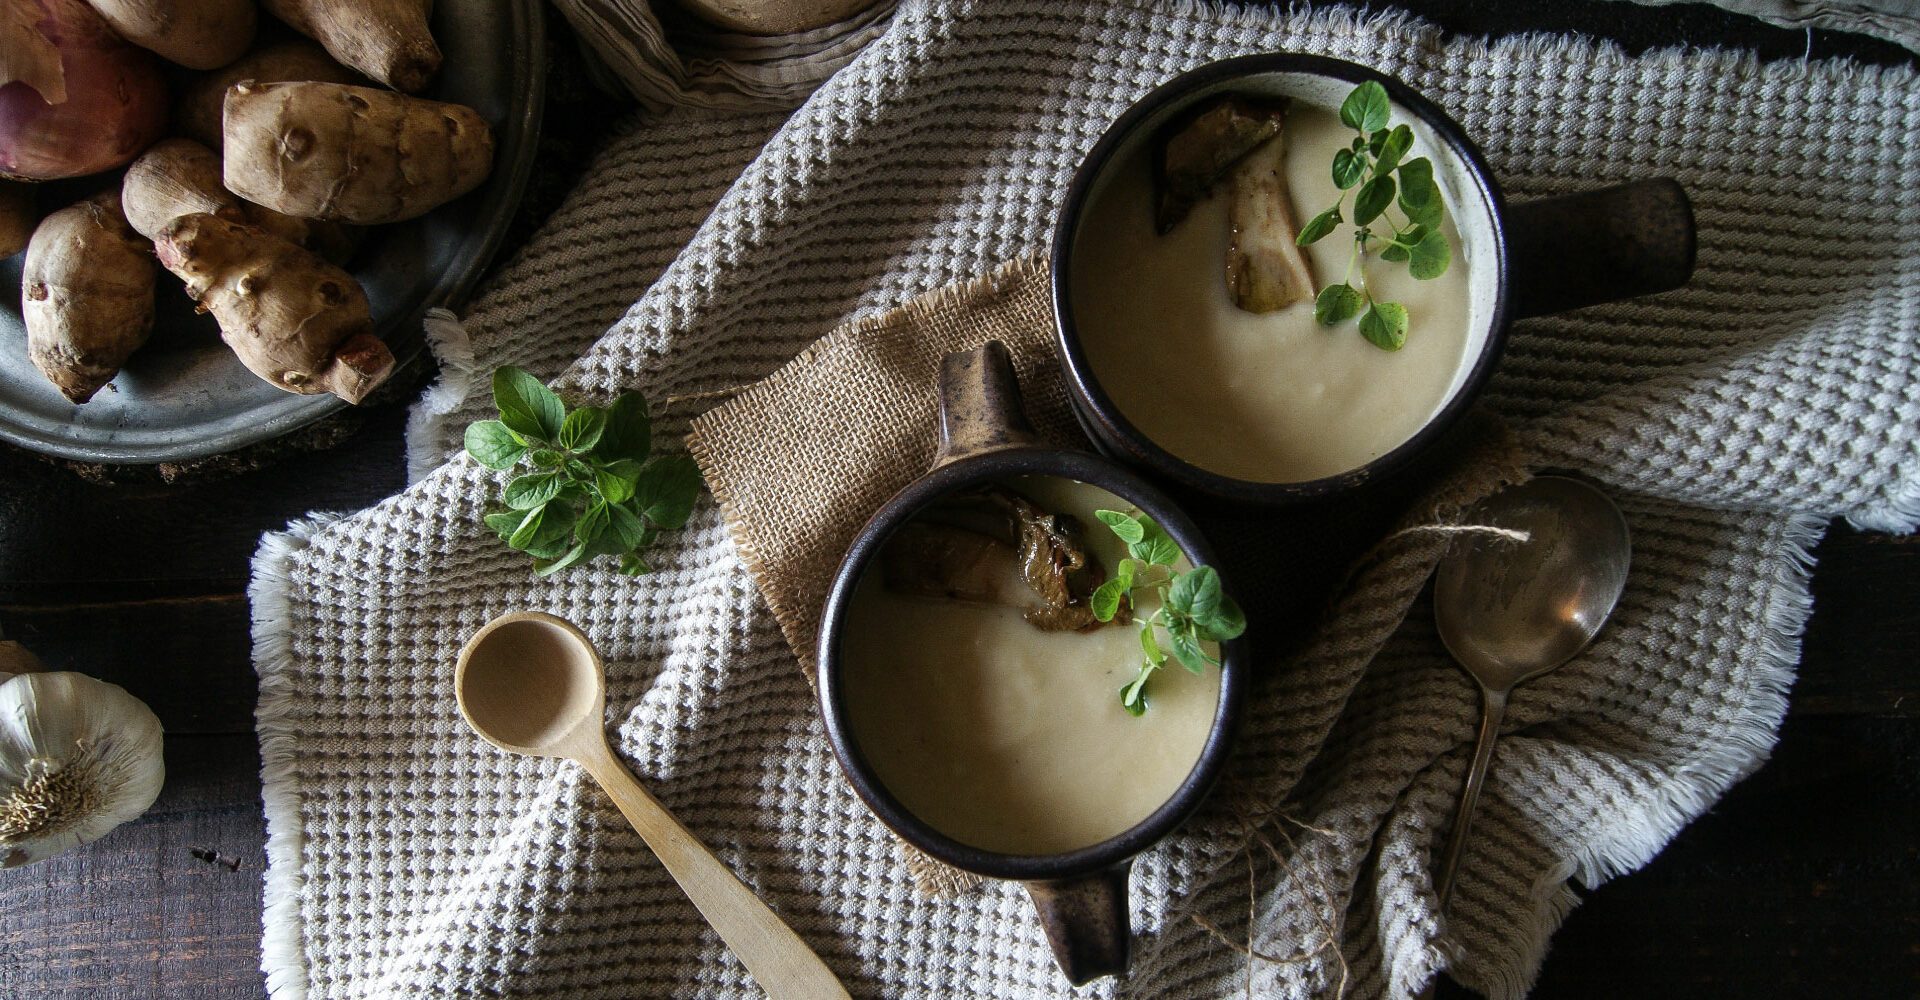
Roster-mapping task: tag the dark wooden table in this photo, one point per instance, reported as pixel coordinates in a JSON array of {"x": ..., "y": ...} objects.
[{"x": 1802, "y": 882}]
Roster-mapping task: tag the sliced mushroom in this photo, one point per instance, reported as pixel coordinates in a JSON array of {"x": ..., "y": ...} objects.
[
  {"x": 1201, "y": 153},
  {"x": 995, "y": 546},
  {"x": 1265, "y": 269}
]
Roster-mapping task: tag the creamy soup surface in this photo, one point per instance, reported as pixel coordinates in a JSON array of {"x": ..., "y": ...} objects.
[
  {"x": 1009, "y": 738},
  {"x": 1272, "y": 397}
]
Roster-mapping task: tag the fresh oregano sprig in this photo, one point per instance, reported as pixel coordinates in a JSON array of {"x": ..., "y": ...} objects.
[
  {"x": 1193, "y": 609},
  {"x": 1371, "y": 163},
  {"x": 592, "y": 490}
]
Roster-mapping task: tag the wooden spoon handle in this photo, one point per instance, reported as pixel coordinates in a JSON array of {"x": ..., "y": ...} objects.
[
  {"x": 1493, "y": 708},
  {"x": 782, "y": 963}
]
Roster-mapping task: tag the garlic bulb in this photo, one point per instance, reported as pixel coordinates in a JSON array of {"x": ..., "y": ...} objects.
[{"x": 78, "y": 757}]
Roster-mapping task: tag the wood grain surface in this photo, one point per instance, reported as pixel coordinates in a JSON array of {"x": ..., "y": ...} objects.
[{"x": 1800, "y": 883}]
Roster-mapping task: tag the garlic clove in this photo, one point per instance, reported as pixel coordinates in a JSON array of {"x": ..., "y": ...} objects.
[{"x": 78, "y": 757}]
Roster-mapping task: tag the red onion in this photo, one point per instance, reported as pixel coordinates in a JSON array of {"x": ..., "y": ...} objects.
[{"x": 116, "y": 102}]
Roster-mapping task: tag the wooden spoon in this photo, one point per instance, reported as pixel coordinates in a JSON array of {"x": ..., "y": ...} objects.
[{"x": 530, "y": 683}]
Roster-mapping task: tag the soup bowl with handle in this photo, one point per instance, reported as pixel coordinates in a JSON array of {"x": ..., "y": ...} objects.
[
  {"x": 1080, "y": 896},
  {"x": 1527, "y": 259}
]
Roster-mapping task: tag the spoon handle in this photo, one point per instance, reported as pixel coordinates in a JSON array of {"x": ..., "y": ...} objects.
[
  {"x": 780, "y": 962},
  {"x": 1493, "y": 708}
]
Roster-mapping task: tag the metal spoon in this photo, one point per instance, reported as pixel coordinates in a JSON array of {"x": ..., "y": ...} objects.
[
  {"x": 1512, "y": 610},
  {"x": 530, "y": 683}
]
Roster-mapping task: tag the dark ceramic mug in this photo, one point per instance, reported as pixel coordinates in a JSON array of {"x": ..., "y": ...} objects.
[
  {"x": 1080, "y": 895},
  {"x": 1529, "y": 259}
]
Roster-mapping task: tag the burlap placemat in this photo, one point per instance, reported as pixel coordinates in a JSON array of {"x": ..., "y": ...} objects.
[{"x": 800, "y": 460}]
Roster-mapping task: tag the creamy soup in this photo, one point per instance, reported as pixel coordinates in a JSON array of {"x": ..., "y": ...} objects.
[
  {"x": 1271, "y": 397},
  {"x": 1010, "y": 738}
]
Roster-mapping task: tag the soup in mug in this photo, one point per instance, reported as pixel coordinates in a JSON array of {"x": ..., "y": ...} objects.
[
  {"x": 1269, "y": 396},
  {"x": 994, "y": 716}
]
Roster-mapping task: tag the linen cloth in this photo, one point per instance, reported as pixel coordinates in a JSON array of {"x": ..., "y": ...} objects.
[
  {"x": 696, "y": 65},
  {"x": 1896, "y": 21},
  {"x": 1732, "y": 418}
]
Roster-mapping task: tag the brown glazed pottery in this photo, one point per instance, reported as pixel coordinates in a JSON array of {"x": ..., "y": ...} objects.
[{"x": 1081, "y": 895}]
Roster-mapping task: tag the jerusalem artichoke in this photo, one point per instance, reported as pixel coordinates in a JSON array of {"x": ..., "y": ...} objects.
[
  {"x": 294, "y": 319},
  {"x": 352, "y": 154},
  {"x": 387, "y": 40},
  {"x": 175, "y": 177},
  {"x": 197, "y": 114},
  {"x": 86, "y": 295},
  {"x": 180, "y": 177},
  {"x": 200, "y": 34}
]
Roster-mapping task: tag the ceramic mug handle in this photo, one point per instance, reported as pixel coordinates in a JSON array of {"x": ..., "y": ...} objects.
[
  {"x": 980, "y": 404},
  {"x": 1087, "y": 922},
  {"x": 1599, "y": 246}
]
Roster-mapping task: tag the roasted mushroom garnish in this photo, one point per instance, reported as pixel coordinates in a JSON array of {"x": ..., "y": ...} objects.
[
  {"x": 1201, "y": 153},
  {"x": 993, "y": 545},
  {"x": 1265, "y": 269}
]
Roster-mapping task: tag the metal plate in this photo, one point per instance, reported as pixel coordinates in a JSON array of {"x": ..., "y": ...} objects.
[{"x": 185, "y": 395}]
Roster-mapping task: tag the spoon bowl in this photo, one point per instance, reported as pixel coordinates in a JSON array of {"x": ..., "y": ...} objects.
[
  {"x": 1509, "y": 610},
  {"x": 531, "y": 683},
  {"x": 527, "y": 682},
  {"x": 1514, "y": 603}
]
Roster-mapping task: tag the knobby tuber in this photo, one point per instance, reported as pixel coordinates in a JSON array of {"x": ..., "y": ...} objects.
[
  {"x": 86, "y": 295},
  {"x": 350, "y": 154},
  {"x": 197, "y": 115},
  {"x": 387, "y": 40},
  {"x": 110, "y": 102},
  {"x": 16, "y": 217},
  {"x": 294, "y": 319},
  {"x": 200, "y": 34},
  {"x": 1265, "y": 268},
  {"x": 180, "y": 177},
  {"x": 174, "y": 178}
]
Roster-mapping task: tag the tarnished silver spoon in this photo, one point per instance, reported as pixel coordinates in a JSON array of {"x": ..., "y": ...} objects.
[{"x": 1511, "y": 610}]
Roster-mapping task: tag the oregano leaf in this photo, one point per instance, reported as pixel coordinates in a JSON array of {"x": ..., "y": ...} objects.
[
  {"x": 1105, "y": 602},
  {"x": 1123, "y": 525},
  {"x": 1366, "y": 109},
  {"x": 1336, "y": 304},
  {"x": 1430, "y": 257},
  {"x": 629, "y": 430},
  {"x": 1385, "y": 325},
  {"x": 532, "y": 490},
  {"x": 667, "y": 489},
  {"x": 1186, "y": 648},
  {"x": 524, "y": 533},
  {"x": 1374, "y": 197},
  {"x": 493, "y": 445},
  {"x": 1318, "y": 227},
  {"x": 1392, "y": 149},
  {"x": 1348, "y": 168},
  {"x": 581, "y": 429},
  {"x": 627, "y": 526},
  {"x": 526, "y": 404}
]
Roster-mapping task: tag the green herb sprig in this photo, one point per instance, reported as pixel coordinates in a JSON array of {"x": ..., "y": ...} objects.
[
  {"x": 1371, "y": 163},
  {"x": 593, "y": 491},
  {"x": 1193, "y": 609}
]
